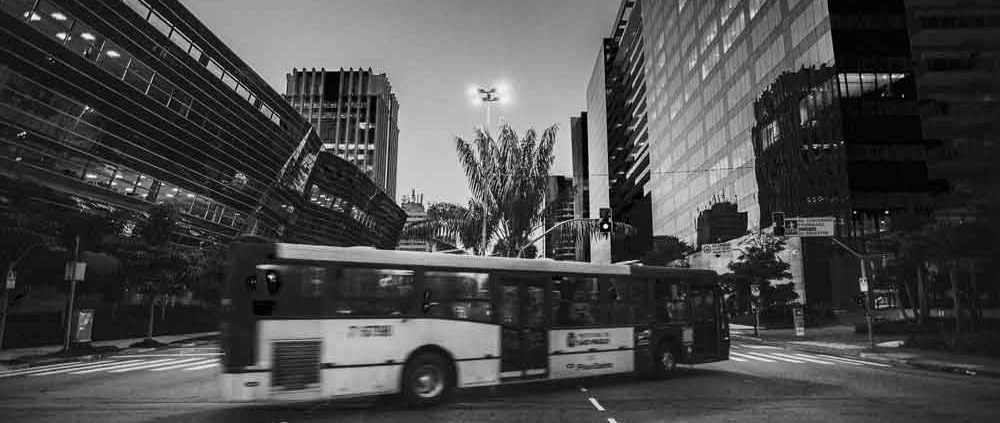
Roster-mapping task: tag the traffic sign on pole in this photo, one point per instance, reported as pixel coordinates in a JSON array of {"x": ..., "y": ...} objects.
[
  {"x": 11, "y": 279},
  {"x": 800, "y": 320},
  {"x": 810, "y": 226},
  {"x": 75, "y": 271},
  {"x": 863, "y": 284},
  {"x": 755, "y": 290}
]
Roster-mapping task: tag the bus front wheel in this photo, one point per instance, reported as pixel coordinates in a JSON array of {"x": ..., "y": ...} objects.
[
  {"x": 665, "y": 360},
  {"x": 427, "y": 380}
]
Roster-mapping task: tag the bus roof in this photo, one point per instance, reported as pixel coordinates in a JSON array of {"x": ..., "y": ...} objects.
[{"x": 365, "y": 255}]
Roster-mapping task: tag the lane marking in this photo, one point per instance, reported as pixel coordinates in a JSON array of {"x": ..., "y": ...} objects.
[
  {"x": 169, "y": 355},
  {"x": 752, "y": 357},
  {"x": 762, "y": 347},
  {"x": 582, "y": 389},
  {"x": 774, "y": 356},
  {"x": 177, "y": 366},
  {"x": 852, "y": 361},
  {"x": 201, "y": 367},
  {"x": 44, "y": 368},
  {"x": 119, "y": 366},
  {"x": 596, "y": 404},
  {"x": 90, "y": 366},
  {"x": 812, "y": 360},
  {"x": 147, "y": 365},
  {"x": 610, "y": 420},
  {"x": 735, "y": 358}
]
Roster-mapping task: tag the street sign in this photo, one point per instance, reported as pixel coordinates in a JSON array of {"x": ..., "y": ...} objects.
[
  {"x": 75, "y": 271},
  {"x": 716, "y": 248},
  {"x": 84, "y": 325},
  {"x": 800, "y": 321},
  {"x": 863, "y": 284},
  {"x": 11, "y": 279},
  {"x": 755, "y": 290},
  {"x": 810, "y": 226}
]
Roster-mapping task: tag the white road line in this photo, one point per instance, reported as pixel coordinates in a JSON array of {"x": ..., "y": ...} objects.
[
  {"x": 610, "y": 420},
  {"x": 811, "y": 360},
  {"x": 752, "y": 357},
  {"x": 177, "y": 366},
  {"x": 86, "y": 367},
  {"x": 201, "y": 367},
  {"x": 116, "y": 367},
  {"x": 735, "y": 358},
  {"x": 776, "y": 357},
  {"x": 148, "y": 365},
  {"x": 582, "y": 389},
  {"x": 763, "y": 347},
  {"x": 169, "y": 355},
  {"x": 43, "y": 368},
  {"x": 852, "y": 361},
  {"x": 596, "y": 404}
]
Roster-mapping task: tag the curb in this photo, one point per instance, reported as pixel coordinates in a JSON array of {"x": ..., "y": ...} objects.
[{"x": 967, "y": 370}]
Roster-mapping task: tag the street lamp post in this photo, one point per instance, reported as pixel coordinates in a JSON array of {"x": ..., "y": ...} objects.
[{"x": 486, "y": 96}]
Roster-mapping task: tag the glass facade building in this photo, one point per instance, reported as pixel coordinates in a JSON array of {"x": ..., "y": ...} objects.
[
  {"x": 133, "y": 103},
  {"x": 355, "y": 114}
]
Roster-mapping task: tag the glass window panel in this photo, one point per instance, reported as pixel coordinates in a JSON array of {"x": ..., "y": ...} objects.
[
  {"x": 51, "y": 21},
  {"x": 138, "y": 7},
  {"x": 373, "y": 292},
  {"x": 99, "y": 174},
  {"x": 161, "y": 89},
  {"x": 113, "y": 59},
  {"x": 195, "y": 52},
  {"x": 228, "y": 80},
  {"x": 199, "y": 207},
  {"x": 138, "y": 75},
  {"x": 159, "y": 23},
  {"x": 460, "y": 295},
  {"x": 84, "y": 41},
  {"x": 180, "y": 40},
  {"x": 18, "y": 8},
  {"x": 242, "y": 92},
  {"x": 214, "y": 68},
  {"x": 180, "y": 102}
]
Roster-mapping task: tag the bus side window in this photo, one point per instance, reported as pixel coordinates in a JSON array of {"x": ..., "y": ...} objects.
[
  {"x": 461, "y": 295},
  {"x": 373, "y": 292},
  {"x": 671, "y": 301},
  {"x": 578, "y": 302}
]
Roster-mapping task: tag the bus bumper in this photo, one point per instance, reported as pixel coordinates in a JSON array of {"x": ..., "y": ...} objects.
[{"x": 244, "y": 386}]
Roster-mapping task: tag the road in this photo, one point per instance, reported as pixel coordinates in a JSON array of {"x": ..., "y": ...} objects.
[{"x": 761, "y": 383}]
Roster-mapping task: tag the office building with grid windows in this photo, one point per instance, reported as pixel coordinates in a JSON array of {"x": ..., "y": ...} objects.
[
  {"x": 355, "y": 114},
  {"x": 133, "y": 103}
]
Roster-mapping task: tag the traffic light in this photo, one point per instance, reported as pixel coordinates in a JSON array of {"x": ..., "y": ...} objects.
[
  {"x": 605, "y": 222},
  {"x": 779, "y": 223}
]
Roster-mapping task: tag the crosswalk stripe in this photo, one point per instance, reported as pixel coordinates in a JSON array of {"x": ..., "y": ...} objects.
[
  {"x": 45, "y": 368},
  {"x": 774, "y": 356},
  {"x": 119, "y": 366},
  {"x": 852, "y": 361},
  {"x": 177, "y": 366},
  {"x": 84, "y": 367},
  {"x": 800, "y": 357},
  {"x": 150, "y": 364},
  {"x": 752, "y": 357},
  {"x": 735, "y": 358},
  {"x": 201, "y": 367}
]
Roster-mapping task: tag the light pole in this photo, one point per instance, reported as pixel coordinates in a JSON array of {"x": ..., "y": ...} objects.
[{"x": 486, "y": 97}]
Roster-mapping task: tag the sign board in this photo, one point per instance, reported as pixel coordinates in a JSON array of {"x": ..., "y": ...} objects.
[
  {"x": 84, "y": 325},
  {"x": 800, "y": 320},
  {"x": 75, "y": 271},
  {"x": 11, "y": 279},
  {"x": 716, "y": 248},
  {"x": 810, "y": 226},
  {"x": 863, "y": 284},
  {"x": 755, "y": 290},
  {"x": 584, "y": 340}
]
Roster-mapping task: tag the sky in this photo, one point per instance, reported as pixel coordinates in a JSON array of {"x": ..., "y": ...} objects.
[{"x": 432, "y": 50}]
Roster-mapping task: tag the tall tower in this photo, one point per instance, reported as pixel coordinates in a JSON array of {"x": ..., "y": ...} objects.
[{"x": 355, "y": 114}]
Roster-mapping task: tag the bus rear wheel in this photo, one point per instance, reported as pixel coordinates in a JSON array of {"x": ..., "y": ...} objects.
[
  {"x": 427, "y": 380},
  {"x": 665, "y": 360}
]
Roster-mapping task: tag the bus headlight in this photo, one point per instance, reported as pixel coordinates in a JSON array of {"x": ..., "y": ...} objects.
[{"x": 273, "y": 282}]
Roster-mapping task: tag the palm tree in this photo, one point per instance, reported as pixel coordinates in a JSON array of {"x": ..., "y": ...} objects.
[{"x": 507, "y": 177}]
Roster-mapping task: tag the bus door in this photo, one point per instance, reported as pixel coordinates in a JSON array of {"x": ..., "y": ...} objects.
[
  {"x": 524, "y": 326},
  {"x": 705, "y": 320}
]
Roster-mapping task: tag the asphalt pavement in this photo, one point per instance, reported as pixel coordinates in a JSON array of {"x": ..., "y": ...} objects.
[{"x": 761, "y": 383}]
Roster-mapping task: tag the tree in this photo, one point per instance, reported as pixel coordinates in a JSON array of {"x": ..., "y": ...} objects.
[
  {"x": 759, "y": 264},
  {"x": 666, "y": 250},
  {"x": 509, "y": 176}
]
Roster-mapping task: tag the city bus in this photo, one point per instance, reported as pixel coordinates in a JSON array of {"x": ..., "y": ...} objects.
[{"x": 307, "y": 322}]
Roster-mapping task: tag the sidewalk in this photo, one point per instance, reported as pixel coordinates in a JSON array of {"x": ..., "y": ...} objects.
[
  {"x": 841, "y": 340},
  {"x": 16, "y": 358}
]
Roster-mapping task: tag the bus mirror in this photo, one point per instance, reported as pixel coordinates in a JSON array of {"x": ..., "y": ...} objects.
[{"x": 273, "y": 281}]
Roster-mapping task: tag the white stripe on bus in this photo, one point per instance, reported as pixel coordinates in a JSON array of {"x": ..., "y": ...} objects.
[
  {"x": 177, "y": 366},
  {"x": 119, "y": 366},
  {"x": 752, "y": 357}
]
